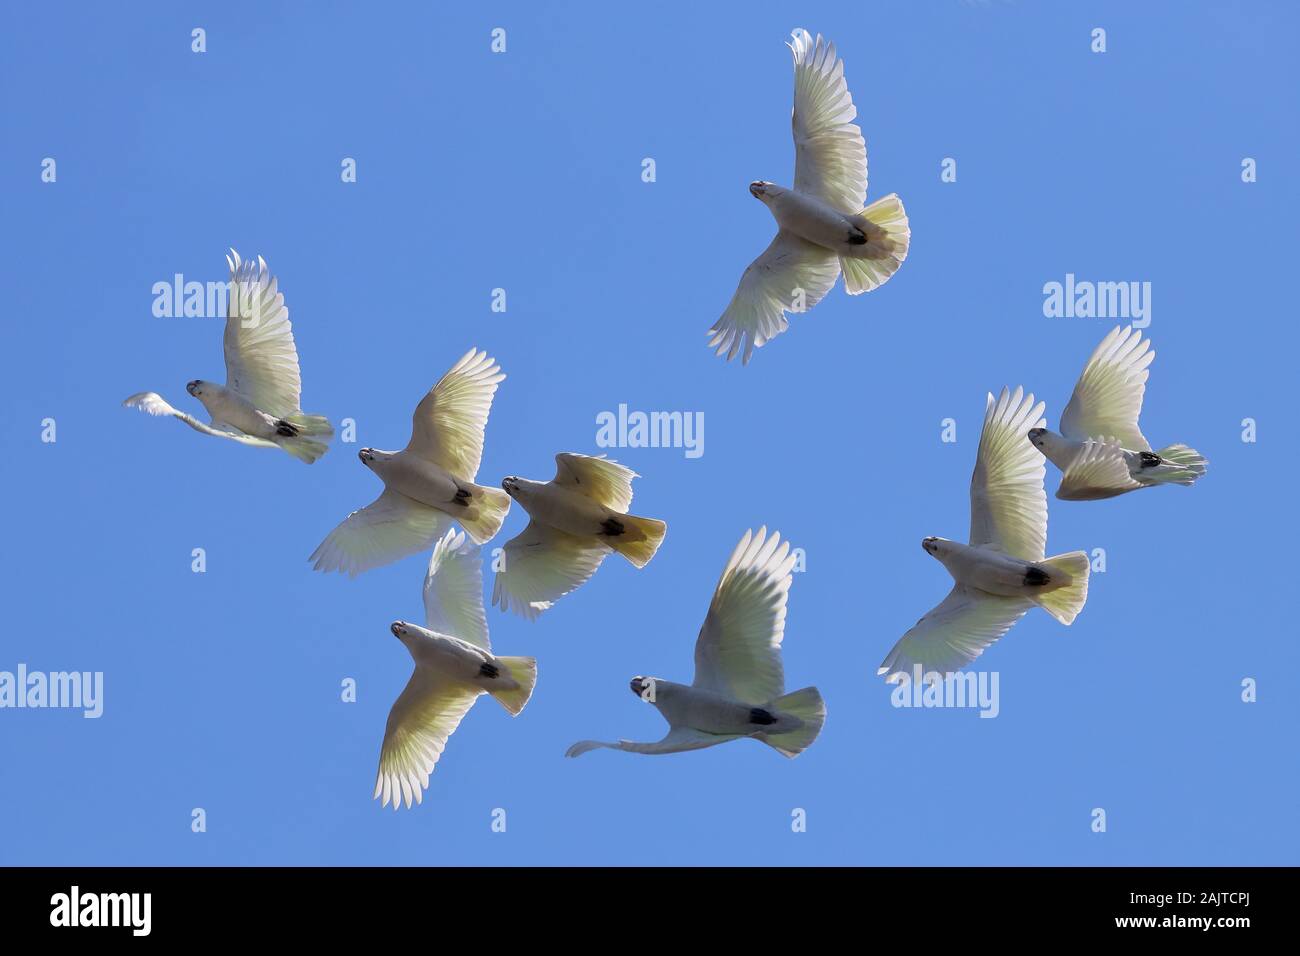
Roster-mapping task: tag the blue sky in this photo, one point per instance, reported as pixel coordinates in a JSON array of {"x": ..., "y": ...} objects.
[{"x": 522, "y": 171}]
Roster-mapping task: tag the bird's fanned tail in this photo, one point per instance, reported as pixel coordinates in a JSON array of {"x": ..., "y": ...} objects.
[
  {"x": 1180, "y": 466},
  {"x": 807, "y": 705},
  {"x": 1065, "y": 603},
  {"x": 483, "y": 516},
  {"x": 888, "y": 236},
  {"x": 524, "y": 672},
  {"x": 640, "y": 539}
]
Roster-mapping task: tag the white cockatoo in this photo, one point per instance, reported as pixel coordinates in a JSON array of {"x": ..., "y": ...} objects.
[
  {"x": 429, "y": 483},
  {"x": 259, "y": 404},
  {"x": 823, "y": 228},
  {"x": 454, "y": 664},
  {"x": 1002, "y": 573},
  {"x": 1101, "y": 451},
  {"x": 575, "y": 520},
  {"x": 739, "y": 688}
]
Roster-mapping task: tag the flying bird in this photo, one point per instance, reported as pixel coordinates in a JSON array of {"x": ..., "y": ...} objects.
[
  {"x": 739, "y": 688},
  {"x": 428, "y": 484},
  {"x": 1002, "y": 573},
  {"x": 575, "y": 520},
  {"x": 454, "y": 664},
  {"x": 260, "y": 403},
  {"x": 823, "y": 228},
  {"x": 1101, "y": 451}
]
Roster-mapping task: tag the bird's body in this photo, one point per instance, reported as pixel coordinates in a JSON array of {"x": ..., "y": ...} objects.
[
  {"x": 996, "y": 572},
  {"x": 228, "y": 407},
  {"x": 563, "y": 508},
  {"x": 575, "y": 520},
  {"x": 1100, "y": 449},
  {"x": 712, "y": 713},
  {"x": 808, "y": 217},
  {"x": 430, "y": 482},
  {"x": 825, "y": 228},
  {"x": 260, "y": 403},
  {"x": 420, "y": 479},
  {"x": 454, "y": 666},
  {"x": 455, "y": 661},
  {"x": 739, "y": 687},
  {"x": 1145, "y": 468}
]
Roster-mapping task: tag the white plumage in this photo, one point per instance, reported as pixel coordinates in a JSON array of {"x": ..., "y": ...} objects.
[
  {"x": 1002, "y": 572},
  {"x": 739, "y": 687},
  {"x": 454, "y": 664},
  {"x": 575, "y": 520},
  {"x": 260, "y": 404},
  {"x": 1101, "y": 451},
  {"x": 430, "y": 483},
  {"x": 823, "y": 227}
]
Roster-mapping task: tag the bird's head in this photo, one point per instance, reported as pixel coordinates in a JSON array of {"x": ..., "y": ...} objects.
[
  {"x": 195, "y": 387},
  {"x": 643, "y": 687},
  {"x": 935, "y": 547},
  {"x": 762, "y": 190},
  {"x": 367, "y": 456},
  {"x": 412, "y": 635},
  {"x": 520, "y": 489},
  {"x": 1038, "y": 436}
]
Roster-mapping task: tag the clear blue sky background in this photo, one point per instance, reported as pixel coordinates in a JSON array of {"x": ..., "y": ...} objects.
[{"x": 522, "y": 171}]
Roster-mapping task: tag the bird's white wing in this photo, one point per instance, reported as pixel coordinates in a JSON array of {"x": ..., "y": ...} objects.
[
  {"x": 1008, "y": 506},
  {"x": 453, "y": 590},
  {"x": 953, "y": 634},
  {"x": 1099, "y": 470},
  {"x": 541, "y": 565},
  {"x": 154, "y": 404},
  {"x": 389, "y": 528},
  {"x": 449, "y": 421},
  {"x": 261, "y": 358},
  {"x": 830, "y": 156},
  {"x": 738, "y": 652},
  {"x": 679, "y": 739},
  {"x": 424, "y": 715},
  {"x": 603, "y": 481},
  {"x": 791, "y": 275},
  {"x": 1107, "y": 399}
]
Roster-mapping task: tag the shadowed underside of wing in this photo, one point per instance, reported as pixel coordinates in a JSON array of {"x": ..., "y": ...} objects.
[
  {"x": 791, "y": 275},
  {"x": 953, "y": 634}
]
